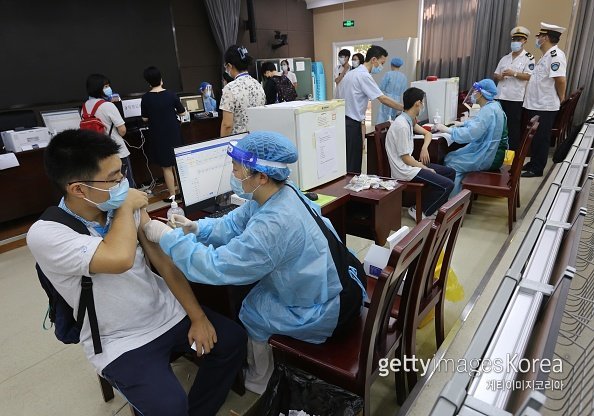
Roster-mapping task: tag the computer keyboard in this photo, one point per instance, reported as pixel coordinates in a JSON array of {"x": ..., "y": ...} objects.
[{"x": 221, "y": 212}]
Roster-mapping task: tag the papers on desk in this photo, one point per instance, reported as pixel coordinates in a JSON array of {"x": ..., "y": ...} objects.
[{"x": 8, "y": 160}]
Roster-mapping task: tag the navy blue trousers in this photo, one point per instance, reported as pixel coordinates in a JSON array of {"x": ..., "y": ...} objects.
[
  {"x": 438, "y": 186},
  {"x": 146, "y": 379},
  {"x": 541, "y": 141},
  {"x": 354, "y": 145}
]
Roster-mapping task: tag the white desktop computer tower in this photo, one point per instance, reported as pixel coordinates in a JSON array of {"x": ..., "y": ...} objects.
[
  {"x": 442, "y": 98},
  {"x": 317, "y": 128}
]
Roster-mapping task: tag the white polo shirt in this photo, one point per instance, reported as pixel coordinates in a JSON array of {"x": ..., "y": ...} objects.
[
  {"x": 133, "y": 308},
  {"x": 540, "y": 91},
  {"x": 511, "y": 88},
  {"x": 399, "y": 142},
  {"x": 337, "y": 71},
  {"x": 357, "y": 88}
]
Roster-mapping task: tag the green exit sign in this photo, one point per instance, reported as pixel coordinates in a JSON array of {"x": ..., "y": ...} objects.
[{"x": 348, "y": 23}]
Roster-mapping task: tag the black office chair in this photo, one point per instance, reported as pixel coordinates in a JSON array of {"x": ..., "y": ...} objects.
[{"x": 10, "y": 120}]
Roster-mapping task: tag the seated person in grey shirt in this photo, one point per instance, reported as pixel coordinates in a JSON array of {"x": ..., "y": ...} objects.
[{"x": 438, "y": 179}]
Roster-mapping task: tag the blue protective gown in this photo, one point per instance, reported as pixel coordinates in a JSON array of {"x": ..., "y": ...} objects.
[
  {"x": 210, "y": 104},
  {"x": 393, "y": 85},
  {"x": 482, "y": 133},
  {"x": 278, "y": 245}
]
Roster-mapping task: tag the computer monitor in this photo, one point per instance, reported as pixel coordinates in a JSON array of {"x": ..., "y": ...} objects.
[
  {"x": 60, "y": 120},
  {"x": 204, "y": 172},
  {"x": 193, "y": 103},
  {"x": 131, "y": 107}
]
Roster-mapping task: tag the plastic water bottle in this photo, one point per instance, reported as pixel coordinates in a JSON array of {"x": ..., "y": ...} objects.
[
  {"x": 175, "y": 209},
  {"x": 436, "y": 118}
]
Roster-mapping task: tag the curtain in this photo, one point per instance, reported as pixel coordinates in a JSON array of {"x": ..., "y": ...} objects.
[
  {"x": 494, "y": 20},
  {"x": 580, "y": 60},
  {"x": 447, "y": 46},
  {"x": 223, "y": 16}
]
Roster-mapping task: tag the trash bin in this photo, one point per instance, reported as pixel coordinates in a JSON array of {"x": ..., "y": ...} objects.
[{"x": 290, "y": 391}]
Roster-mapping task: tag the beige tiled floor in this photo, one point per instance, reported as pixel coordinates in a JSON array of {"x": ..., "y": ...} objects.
[{"x": 39, "y": 375}]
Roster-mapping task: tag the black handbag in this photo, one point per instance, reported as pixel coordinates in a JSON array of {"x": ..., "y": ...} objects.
[{"x": 351, "y": 296}]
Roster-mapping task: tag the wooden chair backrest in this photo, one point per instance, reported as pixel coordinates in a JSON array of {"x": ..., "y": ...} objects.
[
  {"x": 383, "y": 165},
  {"x": 518, "y": 163},
  {"x": 444, "y": 233},
  {"x": 404, "y": 260}
]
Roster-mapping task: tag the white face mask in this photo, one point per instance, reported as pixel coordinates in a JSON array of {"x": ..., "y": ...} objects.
[
  {"x": 355, "y": 63},
  {"x": 284, "y": 68},
  {"x": 516, "y": 46},
  {"x": 341, "y": 60}
]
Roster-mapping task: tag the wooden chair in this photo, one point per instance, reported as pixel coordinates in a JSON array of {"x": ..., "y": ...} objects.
[
  {"x": 559, "y": 129},
  {"x": 350, "y": 360},
  {"x": 383, "y": 166},
  {"x": 564, "y": 118},
  {"x": 443, "y": 233},
  {"x": 503, "y": 184}
]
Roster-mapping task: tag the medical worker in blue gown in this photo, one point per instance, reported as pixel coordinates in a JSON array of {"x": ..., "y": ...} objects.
[
  {"x": 210, "y": 104},
  {"x": 393, "y": 84},
  {"x": 481, "y": 134},
  {"x": 271, "y": 239}
]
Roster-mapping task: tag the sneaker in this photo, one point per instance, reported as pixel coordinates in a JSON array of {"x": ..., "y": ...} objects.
[
  {"x": 412, "y": 211},
  {"x": 526, "y": 167},
  {"x": 530, "y": 174}
]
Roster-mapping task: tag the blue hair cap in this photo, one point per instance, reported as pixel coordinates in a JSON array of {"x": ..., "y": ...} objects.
[
  {"x": 488, "y": 89},
  {"x": 397, "y": 62},
  {"x": 273, "y": 147}
]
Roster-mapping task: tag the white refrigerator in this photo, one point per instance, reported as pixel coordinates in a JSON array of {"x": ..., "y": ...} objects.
[
  {"x": 442, "y": 98},
  {"x": 316, "y": 128}
]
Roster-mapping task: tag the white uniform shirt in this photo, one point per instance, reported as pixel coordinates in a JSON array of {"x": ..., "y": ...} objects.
[
  {"x": 511, "y": 88},
  {"x": 133, "y": 308},
  {"x": 399, "y": 142},
  {"x": 292, "y": 77},
  {"x": 109, "y": 115},
  {"x": 239, "y": 95},
  {"x": 357, "y": 88},
  {"x": 540, "y": 91},
  {"x": 337, "y": 71}
]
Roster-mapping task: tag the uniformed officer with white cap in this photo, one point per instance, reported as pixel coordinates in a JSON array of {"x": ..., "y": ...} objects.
[
  {"x": 512, "y": 75},
  {"x": 544, "y": 93}
]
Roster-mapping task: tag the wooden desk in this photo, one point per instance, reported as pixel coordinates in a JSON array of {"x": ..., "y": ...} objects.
[
  {"x": 201, "y": 129},
  {"x": 369, "y": 214},
  {"x": 26, "y": 188}
]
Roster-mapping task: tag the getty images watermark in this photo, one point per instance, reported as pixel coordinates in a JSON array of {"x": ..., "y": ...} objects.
[{"x": 476, "y": 367}]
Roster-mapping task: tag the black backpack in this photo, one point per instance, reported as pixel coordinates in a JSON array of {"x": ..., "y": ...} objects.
[
  {"x": 67, "y": 329},
  {"x": 285, "y": 91},
  {"x": 351, "y": 297}
]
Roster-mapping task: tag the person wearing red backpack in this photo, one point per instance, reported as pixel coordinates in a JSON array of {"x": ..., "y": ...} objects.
[{"x": 100, "y": 93}]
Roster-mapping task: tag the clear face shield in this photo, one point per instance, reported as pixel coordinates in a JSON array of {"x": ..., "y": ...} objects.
[
  {"x": 245, "y": 164},
  {"x": 208, "y": 91},
  {"x": 469, "y": 100},
  {"x": 244, "y": 161}
]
